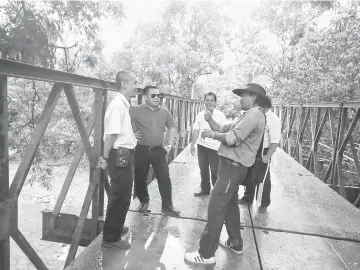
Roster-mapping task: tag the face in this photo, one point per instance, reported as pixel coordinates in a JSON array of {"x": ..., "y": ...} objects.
[
  {"x": 153, "y": 97},
  {"x": 210, "y": 102},
  {"x": 130, "y": 85},
  {"x": 247, "y": 101}
]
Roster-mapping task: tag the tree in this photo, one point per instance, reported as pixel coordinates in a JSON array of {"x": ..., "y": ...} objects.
[{"x": 178, "y": 48}]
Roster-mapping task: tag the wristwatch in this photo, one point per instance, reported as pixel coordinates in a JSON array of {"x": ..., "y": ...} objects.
[{"x": 105, "y": 158}]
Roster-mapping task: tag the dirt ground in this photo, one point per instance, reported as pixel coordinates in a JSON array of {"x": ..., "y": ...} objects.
[{"x": 34, "y": 199}]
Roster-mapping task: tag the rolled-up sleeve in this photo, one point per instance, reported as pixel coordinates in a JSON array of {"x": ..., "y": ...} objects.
[{"x": 242, "y": 129}]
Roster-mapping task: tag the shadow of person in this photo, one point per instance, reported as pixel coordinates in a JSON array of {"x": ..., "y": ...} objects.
[{"x": 148, "y": 238}]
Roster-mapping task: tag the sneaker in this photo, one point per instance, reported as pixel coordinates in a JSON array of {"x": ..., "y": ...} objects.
[
  {"x": 194, "y": 257},
  {"x": 262, "y": 209},
  {"x": 243, "y": 201},
  {"x": 238, "y": 249},
  {"x": 121, "y": 244}
]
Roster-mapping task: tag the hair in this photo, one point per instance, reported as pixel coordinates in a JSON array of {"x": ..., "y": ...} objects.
[
  {"x": 210, "y": 94},
  {"x": 122, "y": 76},
  {"x": 261, "y": 101},
  {"x": 147, "y": 89}
]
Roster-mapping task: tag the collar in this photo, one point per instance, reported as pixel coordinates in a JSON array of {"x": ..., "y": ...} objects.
[
  {"x": 122, "y": 97},
  {"x": 151, "y": 109}
]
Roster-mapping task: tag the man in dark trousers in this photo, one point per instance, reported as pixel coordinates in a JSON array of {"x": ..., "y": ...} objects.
[
  {"x": 207, "y": 148},
  {"x": 118, "y": 157},
  {"x": 150, "y": 120},
  {"x": 272, "y": 138},
  {"x": 240, "y": 142}
]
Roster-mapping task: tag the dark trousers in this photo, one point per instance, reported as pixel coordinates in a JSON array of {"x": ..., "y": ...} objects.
[
  {"x": 223, "y": 206},
  {"x": 250, "y": 190},
  {"x": 206, "y": 157},
  {"x": 156, "y": 156},
  {"x": 119, "y": 197}
]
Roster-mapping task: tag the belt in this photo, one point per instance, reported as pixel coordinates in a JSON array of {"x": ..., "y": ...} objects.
[
  {"x": 131, "y": 150},
  {"x": 149, "y": 147},
  {"x": 230, "y": 162}
]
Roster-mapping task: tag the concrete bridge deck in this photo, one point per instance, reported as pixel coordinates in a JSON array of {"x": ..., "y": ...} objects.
[{"x": 307, "y": 226}]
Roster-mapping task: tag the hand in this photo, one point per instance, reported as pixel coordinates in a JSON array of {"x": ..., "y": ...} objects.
[
  {"x": 207, "y": 133},
  {"x": 266, "y": 158},
  {"x": 102, "y": 163},
  {"x": 192, "y": 150},
  {"x": 167, "y": 148},
  {"x": 208, "y": 115},
  {"x": 138, "y": 135}
]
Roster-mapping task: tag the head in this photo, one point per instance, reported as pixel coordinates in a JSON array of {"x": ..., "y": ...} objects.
[
  {"x": 210, "y": 101},
  {"x": 152, "y": 96},
  {"x": 253, "y": 95},
  {"x": 126, "y": 83}
]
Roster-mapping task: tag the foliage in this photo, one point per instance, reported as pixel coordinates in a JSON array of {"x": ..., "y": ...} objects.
[
  {"x": 39, "y": 33},
  {"x": 175, "y": 50}
]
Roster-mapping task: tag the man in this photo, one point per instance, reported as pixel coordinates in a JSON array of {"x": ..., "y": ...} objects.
[
  {"x": 150, "y": 119},
  {"x": 272, "y": 138},
  {"x": 118, "y": 157},
  {"x": 240, "y": 143},
  {"x": 207, "y": 147}
]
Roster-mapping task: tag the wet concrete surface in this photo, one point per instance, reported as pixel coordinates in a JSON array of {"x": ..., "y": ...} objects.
[
  {"x": 160, "y": 242},
  {"x": 301, "y": 203},
  {"x": 280, "y": 250}
]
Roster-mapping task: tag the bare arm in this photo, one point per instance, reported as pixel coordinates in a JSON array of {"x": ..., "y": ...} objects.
[
  {"x": 270, "y": 152},
  {"x": 195, "y": 136},
  {"x": 172, "y": 135},
  {"x": 108, "y": 144},
  {"x": 214, "y": 126}
]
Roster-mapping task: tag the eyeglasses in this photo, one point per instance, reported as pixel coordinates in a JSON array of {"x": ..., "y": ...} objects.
[{"x": 157, "y": 95}]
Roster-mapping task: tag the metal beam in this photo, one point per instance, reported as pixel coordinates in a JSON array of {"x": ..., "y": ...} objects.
[{"x": 4, "y": 176}]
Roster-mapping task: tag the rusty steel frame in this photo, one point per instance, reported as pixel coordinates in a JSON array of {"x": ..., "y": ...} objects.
[
  {"x": 184, "y": 111},
  {"x": 310, "y": 121}
]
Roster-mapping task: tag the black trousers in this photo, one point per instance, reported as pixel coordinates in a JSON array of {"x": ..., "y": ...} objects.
[
  {"x": 156, "y": 156},
  {"x": 250, "y": 190},
  {"x": 119, "y": 197},
  {"x": 206, "y": 157},
  {"x": 223, "y": 206}
]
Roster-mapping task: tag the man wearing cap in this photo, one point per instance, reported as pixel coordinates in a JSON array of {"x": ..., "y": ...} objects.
[
  {"x": 207, "y": 147},
  {"x": 150, "y": 120},
  {"x": 240, "y": 142},
  {"x": 272, "y": 138}
]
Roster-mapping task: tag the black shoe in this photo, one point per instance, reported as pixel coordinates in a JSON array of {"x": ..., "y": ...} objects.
[
  {"x": 121, "y": 244},
  {"x": 202, "y": 193},
  {"x": 236, "y": 248},
  {"x": 170, "y": 210},
  {"x": 125, "y": 230},
  {"x": 143, "y": 207},
  {"x": 243, "y": 201}
]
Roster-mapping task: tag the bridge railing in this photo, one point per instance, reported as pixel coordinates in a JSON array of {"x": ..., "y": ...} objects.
[
  {"x": 325, "y": 138},
  {"x": 184, "y": 110}
]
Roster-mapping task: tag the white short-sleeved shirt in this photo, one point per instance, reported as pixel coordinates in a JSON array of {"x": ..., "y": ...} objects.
[
  {"x": 201, "y": 124},
  {"x": 117, "y": 121},
  {"x": 272, "y": 129}
]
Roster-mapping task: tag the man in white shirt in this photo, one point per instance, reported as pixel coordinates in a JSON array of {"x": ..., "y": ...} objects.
[
  {"x": 272, "y": 138},
  {"x": 207, "y": 147},
  {"x": 118, "y": 157}
]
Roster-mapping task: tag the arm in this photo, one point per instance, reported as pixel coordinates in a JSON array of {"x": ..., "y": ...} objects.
[
  {"x": 172, "y": 135},
  {"x": 108, "y": 144},
  {"x": 214, "y": 126},
  {"x": 272, "y": 148}
]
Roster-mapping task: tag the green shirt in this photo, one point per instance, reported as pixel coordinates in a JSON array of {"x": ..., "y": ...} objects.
[
  {"x": 151, "y": 124},
  {"x": 247, "y": 131}
]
